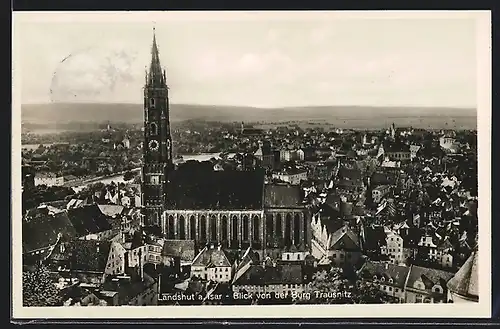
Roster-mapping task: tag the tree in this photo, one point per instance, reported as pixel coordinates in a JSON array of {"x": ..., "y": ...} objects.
[
  {"x": 336, "y": 287},
  {"x": 38, "y": 288},
  {"x": 128, "y": 175}
]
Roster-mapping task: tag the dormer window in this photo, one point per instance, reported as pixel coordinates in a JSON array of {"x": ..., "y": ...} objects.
[
  {"x": 374, "y": 277},
  {"x": 382, "y": 279},
  {"x": 390, "y": 280}
]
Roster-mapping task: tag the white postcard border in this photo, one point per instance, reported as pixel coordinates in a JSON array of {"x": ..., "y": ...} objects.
[{"x": 481, "y": 309}]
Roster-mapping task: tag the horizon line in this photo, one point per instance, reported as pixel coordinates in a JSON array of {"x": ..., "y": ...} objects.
[{"x": 266, "y": 107}]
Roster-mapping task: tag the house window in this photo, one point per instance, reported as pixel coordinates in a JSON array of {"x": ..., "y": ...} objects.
[{"x": 155, "y": 180}]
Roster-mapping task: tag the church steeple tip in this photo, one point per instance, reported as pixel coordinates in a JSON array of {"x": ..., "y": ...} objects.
[{"x": 156, "y": 75}]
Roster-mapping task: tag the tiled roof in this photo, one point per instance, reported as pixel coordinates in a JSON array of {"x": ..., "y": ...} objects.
[
  {"x": 343, "y": 235},
  {"x": 42, "y": 232},
  {"x": 279, "y": 274},
  {"x": 88, "y": 220},
  {"x": 185, "y": 249},
  {"x": 211, "y": 256},
  {"x": 83, "y": 255},
  {"x": 465, "y": 281},
  {"x": 429, "y": 276},
  {"x": 198, "y": 186},
  {"x": 388, "y": 271},
  {"x": 282, "y": 196}
]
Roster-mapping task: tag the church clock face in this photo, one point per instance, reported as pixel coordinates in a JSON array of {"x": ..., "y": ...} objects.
[{"x": 153, "y": 145}]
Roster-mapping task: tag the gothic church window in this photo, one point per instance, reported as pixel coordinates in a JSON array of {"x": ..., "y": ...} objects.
[
  {"x": 203, "y": 228},
  {"x": 213, "y": 228},
  {"x": 170, "y": 226},
  {"x": 224, "y": 224},
  {"x": 234, "y": 228},
  {"x": 152, "y": 103},
  {"x": 246, "y": 224},
  {"x": 192, "y": 227},
  {"x": 255, "y": 227},
  {"x": 296, "y": 228},
  {"x": 182, "y": 227}
]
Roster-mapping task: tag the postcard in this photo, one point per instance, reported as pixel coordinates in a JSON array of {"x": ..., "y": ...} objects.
[{"x": 251, "y": 164}]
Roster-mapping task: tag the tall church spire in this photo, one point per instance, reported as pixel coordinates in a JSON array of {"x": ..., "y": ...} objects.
[
  {"x": 157, "y": 152},
  {"x": 156, "y": 77}
]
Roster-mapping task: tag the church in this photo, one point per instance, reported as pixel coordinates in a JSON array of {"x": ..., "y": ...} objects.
[{"x": 234, "y": 209}]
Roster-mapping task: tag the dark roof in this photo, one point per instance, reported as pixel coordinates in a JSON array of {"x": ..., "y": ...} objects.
[
  {"x": 411, "y": 238},
  {"x": 388, "y": 271},
  {"x": 128, "y": 289},
  {"x": 282, "y": 196},
  {"x": 349, "y": 174},
  {"x": 465, "y": 281},
  {"x": 396, "y": 148},
  {"x": 198, "y": 186},
  {"x": 329, "y": 212},
  {"x": 184, "y": 249},
  {"x": 429, "y": 276},
  {"x": 266, "y": 275},
  {"x": 89, "y": 220},
  {"x": 382, "y": 178},
  {"x": 346, "y": 209},
  {"x": 83, "y": 255},
  {"x": 373, "y": 237},
  {"x": 332, "y": 224},
  {"x": 42, "y": 232},
  {"x": 344, "y": 239}
]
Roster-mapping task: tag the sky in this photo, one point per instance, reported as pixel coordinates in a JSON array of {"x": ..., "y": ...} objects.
[{"x": 250, "y": 59}]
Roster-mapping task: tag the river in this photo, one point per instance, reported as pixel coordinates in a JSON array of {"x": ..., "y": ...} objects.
[{"x": 118, "y": 178}]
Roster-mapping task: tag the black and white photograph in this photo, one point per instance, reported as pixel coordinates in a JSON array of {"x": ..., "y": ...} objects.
[{"x": 285, "y": 164}]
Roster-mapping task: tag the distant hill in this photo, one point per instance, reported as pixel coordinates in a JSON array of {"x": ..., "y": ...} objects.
[{"x": 341, "y": 116}]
